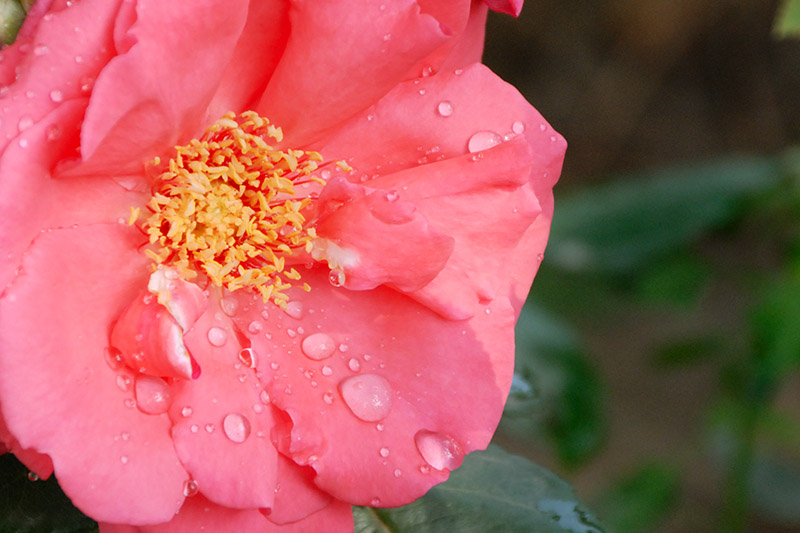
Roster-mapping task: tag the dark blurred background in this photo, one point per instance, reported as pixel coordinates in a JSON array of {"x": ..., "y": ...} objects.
[{"x": 658, "y": 357}]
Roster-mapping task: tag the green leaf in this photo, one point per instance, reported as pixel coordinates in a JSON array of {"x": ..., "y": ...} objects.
[
  {"x": 776, "y": 333},
  {"x": 678, "y": 281},
  {"x": 36, "y": 506},
  {"x": 687, "y": 351},
  {"x": 787, "y": 22},
  {"x": 11, "y": 17},
  {"x": 619, "y": 227},
  {"x": 642, "y": 500},
  {"x": 493, "y": 491},
  {"x": 555, "y": 390}
]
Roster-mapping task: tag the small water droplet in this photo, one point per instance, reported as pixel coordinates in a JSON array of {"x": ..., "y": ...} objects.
[
  {"x": 336, "y": 277},
  {"x": 325, "y": 174},
  {"x": 445, "y": 108},
  {"x": 327, "y": 371},
  {"x": 193, "y": 428},
  {"x": 23, "y": 143},
  {"x": 375, "y": 502},
  {"x": 343, "y": 348},
  {"x": 392, "y": 196},
  {"x": 40, "y": 50},
  {"x": 398, "y": 472},
  {"x": 387, "y": 36},
  {"x": 458, "y": 71},
  {"x": 354, "y": 364},
  {"x": 379, "y": 426},
  {"x": 56, "y": 96},
  {"x": 318, "y": 346},
  {"x": 186, "y": 412},
  {"x": 483, "y": 140},
  {"x": 255, "y": 327},
  {"x": 440, "y": 451},
  {"x": 209, "y": 428},
  {"x": 33, "y": 476},
  {"x": 294, "y": 309},
  {"x": 248, "y": 357},
  {"x": 264, "y": 397},
  {"x": 124, "y": 382},
  {"x": 229, "y": 306},
  {"x": 258, "y": 408},
  {"x": 274, "y": 366},
  {"x": 25, "y": 123},
  {"x": 79, "y": 59},
  {"x": 518, "y": 127},
  {"x": 384, "y": 452},
  {"x": 189, "y": 488},
  {"x": 123, "y": 459},
  {"x": 425, "y": 469},
  {"x": 113, "y": 358},
  {"x": 327, "y": 398},
  {"x": 217, "y": 336},
  {"x": 153, "y": 395},
  {"x": 236, "y": 427},
  {"x": 368, "y": 396},
  {"x": 53, "y": 132}
]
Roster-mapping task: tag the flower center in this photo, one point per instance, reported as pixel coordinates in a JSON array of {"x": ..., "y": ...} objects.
[{"x": 226, "y": 206}]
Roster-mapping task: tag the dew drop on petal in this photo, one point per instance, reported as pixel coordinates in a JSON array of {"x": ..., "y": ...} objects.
[
  {"x": 217, "y": 336},
  {"x": 264, "y": 397},
  {"x": 189, "y": 488},
  {"x": 445, "y": 108},
  {"x": 483, "y": 140},
  {"x": 336, "y": 277},
  {"x": 33, "y": 476},
  {"x": 440, "y": 451},
  {"x": 236, "y": 427},
  {"x": 248, "y": 357},
  {"x": 354, "y": 365},
  {"x": 368, "y": 396},
  {"x": 229, "y": 306},
  {"x": 113, "y": 358},
  {"x": 124, "y": 382},
  {"x": 56, "y": 96},
  {"x": 518, "y": 127},
  {"x": 398, "y": 472},
  {"x": 53, "y": 132},
  {"x": 255, "y": 327},
  {"x": 193, "y": 428},
  {"x": 318, "y": 346},
  {"x": 186, "y": 411},
  {"x": 153, "y": 395},
  {"x": 327, "y": 398},
  {"x": 41, "y": 50},
  {"x": 123, "y": 459},
  {"x": 327, "y": 371},
  {"x": 294, "y": 309},
  {"x": 384, "y": 452},
  {"x": 209, "y": 428},
  {"x": 375, "y": 502},
  {"x": 25, "y": 123}
]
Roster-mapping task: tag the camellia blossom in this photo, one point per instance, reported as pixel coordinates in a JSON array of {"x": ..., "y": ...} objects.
[{"x": 262, "y": 260}]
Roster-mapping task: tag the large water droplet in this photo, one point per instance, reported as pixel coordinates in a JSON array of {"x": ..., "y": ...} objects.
[
  {"x": 217, "y": 336},
  {"x": 336, "y": 277},
  {"x": 153, "y": 395},
  {"x": 368, "y": 396},
  {"x": 440, "y": 451},
  {"x": 445, "y": 108},
  {"x": 248, "y": 357},
  {"x": 384, "y": 452},
  {"x": 294, "y": 309},
  {"x": 190, "y": 488},
  {"x": 255, "y": 327},
  {"x": 518, "y": 127},
  {"x": 483, "y": 140},
  {"x": 318, "y": 346},
  {"x": 354, "y": 365},
  {"x": 236, "y": 427}
]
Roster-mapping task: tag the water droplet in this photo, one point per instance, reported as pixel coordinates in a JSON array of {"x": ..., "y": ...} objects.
[
  {"x": 153, "y": 395},
  {"x": 440, "y": 451},
  {"x": 53, "y": 132},
  {"x": 318, "y": 346},
  {"x": 56, "y": 96},
  {"x": 327, "y": 371},
  {"x": 124, "y": 382},
  {"x": 367, "y": 357},
  {"x": 123, "y": 459},
  {"x": 336, "y": 277},
  {"x": 368, "y": 396},
  {"x": 40, "y": 50},
  {"x": 217, "y": 336},
  {"x": 264, "y": 397},
  {"x": 384, "y": 452},
  {"x": 445, "y": 108},
  {"x": 483, "y": 140},
  {"x": 125, "y": 435},
  {"x": 379, "y": 426},
  {"x": 79, "y": 59},
  {"x": 33, "y": 476},
  {"x": 274, "y": 366},
  {"x": 255, "y": 327},
  {"x": 113, "y": 358},
  {"x": 518, "y": 127},
  {"x": 542, "y": 126},
  {"x": 398, "y": 472},
  {"x": 458, "y": 71},
  {"x": 189, "y": 488},
  {"x": 327, "y": 398},
  {"x": 375, "y": 502},
  {"x": 25, "y": 123},
  {"x": 236, "y": 427},
  {"x": 258, "y": 408},
  {"x": 392, "y": 196},
  {"x": 193, "y": 428},
  {"x": 387, "y": 36},
  {"x": 248, "y": 357},
  {"x": 186, "y": 411},
  {"x": 354, "y": 365},
  {"x": 229, "y": 306},
  {"x": 209, "y": 428},
  {"x": 343, "y": 348},
  {"x": 425, "y": 469},
  {"x": 294, "y": 309}
]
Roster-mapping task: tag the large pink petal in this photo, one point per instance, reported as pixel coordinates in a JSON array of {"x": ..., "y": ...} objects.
[
  {"x": 221, "y": 427},
  {"x": 340, "y": 58},
  {"x": 68, "y": 48},
  {"x": 32, "y": 200},
  {"x": 155, "y": 94},
  {"x": 199, "y": 514},
  {"x": 60, "y": 397},
  {"x": 432, "y": 368},
  {"x": 37, "y": 462},
  {"x": 510, "y": 7},
  {"x": 296, "y": 495}
]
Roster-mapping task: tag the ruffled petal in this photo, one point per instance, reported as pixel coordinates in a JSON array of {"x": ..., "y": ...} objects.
[
  {"x": 414, "y": 369},
  {"x": 221, "y": 426},
  {"x": 296, "y": 495},
  {"x": 381, "y": 41},
  {"x": 59, "y": 397},
  {"x": 154, "y": 95},
  {"x": 510, "y": 7}
]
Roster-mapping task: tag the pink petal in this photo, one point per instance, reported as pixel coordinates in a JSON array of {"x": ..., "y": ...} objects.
[
  {"x": 430, "y": 367},
  {"x": 199, "y": 514},
  {"x": 127, "y": 121},
  {"x": 379, "y": 237},
  {"x": 468, "y": 46},
  {"x": 63, "y": 57},
  {"x": 381, "y": 41},
  {"x": 296, "y": 495},
  {"x": 221, "y": 427},
  {"x": 510, "y": 7},
  {"x": 36, "y": 462},
  {"x": 60, "y": 397}
]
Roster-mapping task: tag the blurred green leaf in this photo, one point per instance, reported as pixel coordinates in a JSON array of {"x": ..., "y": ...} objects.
[
  {"x": 787, "y": 22},
  {"x": 36, "y": 506},
  {"x": 621, "y": 226},
  {"x": 642, "y": 500},
  {"x": 687, "y": 351},
  {"x": 678, "y": 281},
  {"x": 11, "y": 17},
  {"x": 775, "y": 488},
  {"x": 493, "y": 491},
  {"x": 555, "y": 390},
  {"x": 776, "y": 333}
]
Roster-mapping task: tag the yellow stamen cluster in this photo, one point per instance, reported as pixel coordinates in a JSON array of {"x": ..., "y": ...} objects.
[{"x": 225, "y": 205}]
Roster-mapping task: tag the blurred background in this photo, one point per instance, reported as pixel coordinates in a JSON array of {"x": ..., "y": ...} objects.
[{"x": 658, "y": 355}]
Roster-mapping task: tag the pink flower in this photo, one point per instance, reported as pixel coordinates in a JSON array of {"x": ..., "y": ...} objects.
[{"x": 215, "y": 386}]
